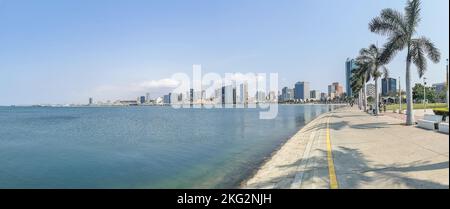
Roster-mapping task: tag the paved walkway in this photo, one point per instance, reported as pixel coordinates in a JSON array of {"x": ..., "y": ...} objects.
[{"x": 350, "y": 149}]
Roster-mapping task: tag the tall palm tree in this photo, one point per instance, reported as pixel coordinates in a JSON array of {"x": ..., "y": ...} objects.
[
  {"x": 373, "y": 65},
  {"x": 401, "y": 29},
  {"x": 361, "y": 76},
  {"x": 357, "y": 83}
]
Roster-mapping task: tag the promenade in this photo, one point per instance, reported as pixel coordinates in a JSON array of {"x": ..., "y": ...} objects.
[{"x": 349, "y": 149}]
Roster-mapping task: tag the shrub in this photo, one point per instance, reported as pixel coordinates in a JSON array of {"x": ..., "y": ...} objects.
[{"x": 441, "y": 111}]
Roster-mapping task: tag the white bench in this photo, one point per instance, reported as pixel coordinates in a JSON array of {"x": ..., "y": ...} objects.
[
  {"x": 429, "y": 122},
  {"x": 443, "y": 127}
]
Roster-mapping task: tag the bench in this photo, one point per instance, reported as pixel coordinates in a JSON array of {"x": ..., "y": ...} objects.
[
  {"x": 443, "y": 127},
  {"x": 429, "y": 122}
]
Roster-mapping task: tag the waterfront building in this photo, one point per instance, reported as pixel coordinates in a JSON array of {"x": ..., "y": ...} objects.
[
  {"x": 335, "y": 90},
  {"x": 287, "y": 94},
  {"x": 228, "y": 95},
  {"x": 147, "y": 97},
  {"x": 128, "y": 103},
  {"x": 301, "y": 91},
  {"x": 243, "y": 93},
  {"x": 350, "y": 65},
  {"x": 91, "y": 101},
  {"x": 314, "y": 95},
  {"x": 167, "y": 98},
  {"x": 272, "y": 96},
  {"x": 388, "y": 86},
  {"x": 331, "y": 90},
  {"x": 142, "y": 100},
  {"x": 323, "y": 96},
  {"x": 260, "y": 96},
  {"x": 191, "y": 96},
  {"x": 218, "y": 96},
  {"x": 338, "y": 89}
]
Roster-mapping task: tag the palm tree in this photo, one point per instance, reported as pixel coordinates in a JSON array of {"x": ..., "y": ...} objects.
[
  {"x": 371, "y": 63},
  {"x": 357, "y": 83},
  {"x": 401, "y": 29}
]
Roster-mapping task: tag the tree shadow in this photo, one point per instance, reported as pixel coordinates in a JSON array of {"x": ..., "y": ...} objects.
[
  {"x": 334, "y": 126},
  {"x": 353, "y": 171}
]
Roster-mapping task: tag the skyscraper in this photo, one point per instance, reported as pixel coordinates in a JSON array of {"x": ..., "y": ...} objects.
[
  {"x": 243, "y": 93},
  {"x": 228, "y": 95},
  {"x": 301, "y": 90},
  {"x": 91, "y": 101},
  {"x": 350, "y": 65},
  {"x": 388, "y": 86},
  {"x": 166, "y": 99}
]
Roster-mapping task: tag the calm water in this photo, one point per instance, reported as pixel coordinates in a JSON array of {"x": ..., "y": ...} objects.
[{"x": 139, "y": 147}]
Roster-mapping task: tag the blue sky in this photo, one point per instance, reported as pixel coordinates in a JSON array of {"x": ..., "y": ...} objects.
[{"x": 64, "y": 51}]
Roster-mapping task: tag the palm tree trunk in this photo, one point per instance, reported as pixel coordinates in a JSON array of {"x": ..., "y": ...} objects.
[
  {"x": 360, "y": 99},
  {"x": 364, "y": 95},
  {"x": 377, "y": 98},
  {"x": 409, "y": 97}
]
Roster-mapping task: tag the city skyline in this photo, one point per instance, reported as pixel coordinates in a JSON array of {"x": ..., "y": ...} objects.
[{"x": 114, "y": 50}]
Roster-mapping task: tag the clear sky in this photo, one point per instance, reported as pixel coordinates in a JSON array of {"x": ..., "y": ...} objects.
[{"x": 64, "y": 51}]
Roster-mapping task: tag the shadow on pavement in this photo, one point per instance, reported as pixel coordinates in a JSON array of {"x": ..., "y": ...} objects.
[{"x": 353, "y": 171}]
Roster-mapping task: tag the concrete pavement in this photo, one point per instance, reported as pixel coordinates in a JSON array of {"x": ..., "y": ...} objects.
[{"x": 363, "y": 152}]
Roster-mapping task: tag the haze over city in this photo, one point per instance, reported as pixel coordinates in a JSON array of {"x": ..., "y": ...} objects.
[{"x": 67, "y": 51}]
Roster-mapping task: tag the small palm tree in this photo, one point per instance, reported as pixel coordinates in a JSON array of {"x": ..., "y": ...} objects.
[
  {"x": 357, "y": 83},
  {"x": 401, "y": 29},
  {"x": 371, "y": 63}
]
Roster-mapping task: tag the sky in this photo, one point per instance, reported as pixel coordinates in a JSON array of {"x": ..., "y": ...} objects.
[{"x": 65, "y": 51}]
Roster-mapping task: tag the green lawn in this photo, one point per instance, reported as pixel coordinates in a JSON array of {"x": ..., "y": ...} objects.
[{"x": 418, "y": 106}]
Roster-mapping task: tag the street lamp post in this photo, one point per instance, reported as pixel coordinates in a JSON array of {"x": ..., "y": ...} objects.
[
  {"x": 447, "y": 84},
  {"x": 399, "y": 96},
  {"x": 424, "y": 94}
]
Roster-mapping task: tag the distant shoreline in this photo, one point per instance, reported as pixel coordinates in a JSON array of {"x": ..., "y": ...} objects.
[{"x": 165, "y": 105}]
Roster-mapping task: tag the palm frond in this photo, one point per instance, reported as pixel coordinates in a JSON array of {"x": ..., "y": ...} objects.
[
  {"x": 385, "y": 72},
  {"x": 388, "y": 23},
  {"x": 430, "y": 49},
  {"x": 418, "y": 56},
  {"x": 412, "y": 15},
  {"x": 392, "y": 47}
]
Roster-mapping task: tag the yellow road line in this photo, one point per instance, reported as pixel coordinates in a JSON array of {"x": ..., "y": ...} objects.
[{"x": 331, "y": 170}]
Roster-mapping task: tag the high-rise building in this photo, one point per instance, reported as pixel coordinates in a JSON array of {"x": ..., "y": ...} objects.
[
  {"x": 388, "y": 86},
  {"x": 331, "y": 90},
  {"x": 350, "y": 65},
  {"x": 287, "y": 94},
  {"x": 147, "y": 97},
  {"x": 228, "y": 95},
  {"x": 191, "y": 96},
  {"x": 166, "y": 99},
  {"x": 142, "y": 100},
  {"x": 301, "y": 90},
  {"x": 243, "y": 93},
  {"x": 272, "y": 96},
  {"x": 315, "y": 95},
  {"x": 338, "y": 89},
  {"x": 260, "y": 96},
  {"x": 91, "y": 101},
  {"x": 323, "y": 96}
]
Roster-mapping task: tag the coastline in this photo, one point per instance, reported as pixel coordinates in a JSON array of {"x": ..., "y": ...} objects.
[{"x": 283, "y": 150}]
